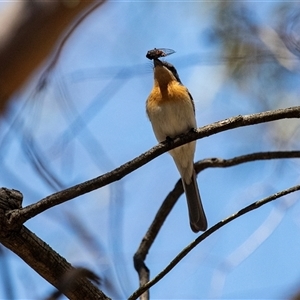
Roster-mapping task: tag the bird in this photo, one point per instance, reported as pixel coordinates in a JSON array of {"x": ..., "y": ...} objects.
[{"x": 171, "y": 111}]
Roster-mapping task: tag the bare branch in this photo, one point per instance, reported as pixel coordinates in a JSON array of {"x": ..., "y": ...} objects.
[
  {"x": 147, "y": 241},
  {"x": 166, "y": 207},
  {"x": 24, "y": 214},
  {"x": 40, "y": 256},
  {"x": 207, "y": 233},
  {"x": 225, "y": 163}
]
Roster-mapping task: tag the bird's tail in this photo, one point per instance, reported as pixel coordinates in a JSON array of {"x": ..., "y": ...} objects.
[{"x": 197, "y": 216}]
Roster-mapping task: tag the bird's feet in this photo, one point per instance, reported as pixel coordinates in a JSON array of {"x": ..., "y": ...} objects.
[{"x": 169, "y": 140}]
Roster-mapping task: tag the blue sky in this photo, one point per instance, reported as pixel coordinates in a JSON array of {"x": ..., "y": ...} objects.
[{"x": 90, "y": 118}]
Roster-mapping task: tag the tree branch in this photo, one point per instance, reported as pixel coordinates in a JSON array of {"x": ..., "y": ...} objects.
[
  {"x": 225, "y": 163},
  {"x": 207, "y": 233},
  {"x": 22, "y": 215},
  {"x": 39, "y": 256},
  {"x": 168, "y": 204}
]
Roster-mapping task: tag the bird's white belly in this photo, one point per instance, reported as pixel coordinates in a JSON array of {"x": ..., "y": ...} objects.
[{"x": 171, "y": 119}]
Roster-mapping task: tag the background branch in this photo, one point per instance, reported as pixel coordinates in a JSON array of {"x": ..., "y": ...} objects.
[{"x": 28, "y": 25}]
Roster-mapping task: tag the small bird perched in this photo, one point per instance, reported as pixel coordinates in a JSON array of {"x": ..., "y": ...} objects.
[{"x": 171, "y": 110}]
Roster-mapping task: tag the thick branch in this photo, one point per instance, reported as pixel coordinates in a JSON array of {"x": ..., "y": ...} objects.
[
  {"x": 207, "y": 233},
  {"x": 21, "y": 216},
  {"x": 48, "y": 263},
  {"x": 40, "y": 256}
]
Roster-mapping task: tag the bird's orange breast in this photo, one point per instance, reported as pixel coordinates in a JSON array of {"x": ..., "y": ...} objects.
[{"x": 172, "y": 92}]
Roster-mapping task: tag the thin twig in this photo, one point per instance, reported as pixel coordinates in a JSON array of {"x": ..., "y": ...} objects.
[
  {"x": 207, "y": 233},
  {"x": 224, "y": 163},
  {"x": 22, "y": 215}
]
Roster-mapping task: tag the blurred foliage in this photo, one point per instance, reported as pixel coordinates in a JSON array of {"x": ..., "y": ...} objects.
[{"x": 251, "y": 64}]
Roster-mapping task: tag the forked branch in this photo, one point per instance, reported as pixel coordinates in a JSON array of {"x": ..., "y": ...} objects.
[{"x": 207, "y": 233}]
